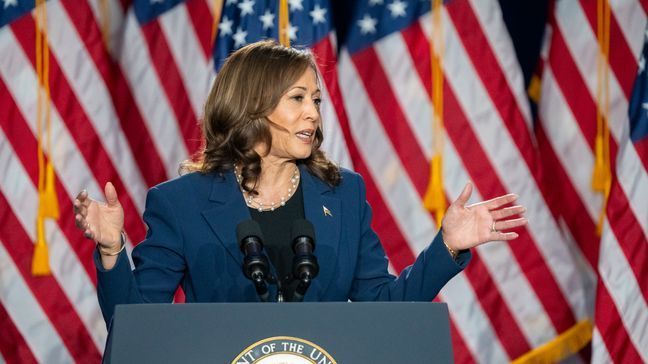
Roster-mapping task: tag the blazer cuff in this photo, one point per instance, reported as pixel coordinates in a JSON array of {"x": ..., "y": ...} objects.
[
  {"x": 463, "y": 256},
  {"x": 120, "y": 264}
]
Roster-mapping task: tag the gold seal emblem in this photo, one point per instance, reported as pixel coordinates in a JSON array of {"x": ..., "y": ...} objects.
[{"x": 284, "y": 350}]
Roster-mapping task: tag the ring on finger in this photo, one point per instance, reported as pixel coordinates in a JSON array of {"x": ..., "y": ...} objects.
[{"x": 493, "y": 229}]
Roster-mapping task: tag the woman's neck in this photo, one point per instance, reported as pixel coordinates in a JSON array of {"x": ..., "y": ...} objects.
[
  {"x": 274, "y": 186},
  {"x": 275, "y": 173}
]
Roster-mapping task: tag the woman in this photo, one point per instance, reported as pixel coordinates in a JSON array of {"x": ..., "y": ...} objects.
[{"x": 261, "y": 160}]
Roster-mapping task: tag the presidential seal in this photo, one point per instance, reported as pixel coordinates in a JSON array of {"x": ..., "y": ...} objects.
[{"x": 284, "y": 350}]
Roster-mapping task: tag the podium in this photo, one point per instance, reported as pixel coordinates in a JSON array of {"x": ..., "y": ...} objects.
[{"x": 267, "y": 333}]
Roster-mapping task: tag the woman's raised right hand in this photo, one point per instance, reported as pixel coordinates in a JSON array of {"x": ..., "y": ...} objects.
[{"x": 101, "y": 222}]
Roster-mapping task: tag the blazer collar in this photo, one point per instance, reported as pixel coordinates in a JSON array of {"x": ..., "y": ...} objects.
[{"x": 321, "y": 207}]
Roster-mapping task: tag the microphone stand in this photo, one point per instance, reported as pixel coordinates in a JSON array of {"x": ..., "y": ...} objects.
[
  {"x": 260, "y": 286},
  {"x": 302, "y": 287},
  {"x": 272, "y": 279}
]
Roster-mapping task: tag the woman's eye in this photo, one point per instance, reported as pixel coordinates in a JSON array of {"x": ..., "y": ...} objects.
[
  {"x": 317, "y": 101},
  {"x": 298, "y": 98}
]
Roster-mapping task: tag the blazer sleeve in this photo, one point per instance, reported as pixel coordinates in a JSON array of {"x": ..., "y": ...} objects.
[
  {"x": 159, "y": 262},
  {"x": 421, "y": 281}
]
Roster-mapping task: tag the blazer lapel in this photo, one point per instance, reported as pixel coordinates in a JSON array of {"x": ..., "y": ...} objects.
[
  {"x": 320, "y": 207},
  {"x": 227, "y": 211},
  {"x": 324, "y": 211}
]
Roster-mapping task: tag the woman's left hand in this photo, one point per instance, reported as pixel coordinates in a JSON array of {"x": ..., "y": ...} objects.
[{"x": 465, "y": 227}]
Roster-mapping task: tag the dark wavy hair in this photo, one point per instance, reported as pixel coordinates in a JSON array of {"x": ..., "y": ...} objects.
[{"x": 247, "y": 89}]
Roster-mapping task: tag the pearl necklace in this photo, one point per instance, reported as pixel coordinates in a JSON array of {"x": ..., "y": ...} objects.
[{"x": 252, "y": 202}]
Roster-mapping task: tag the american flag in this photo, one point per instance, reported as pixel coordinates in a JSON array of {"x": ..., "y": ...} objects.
[
  {"x": 128, "y": 79},
  {"x": 613, "y": 264},
  {"x": 512, "y": 297}
]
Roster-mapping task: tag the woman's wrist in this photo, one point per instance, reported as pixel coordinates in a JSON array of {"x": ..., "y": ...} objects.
[
  {"x": 452, "y": 252},
  {"x": 108, "y": 253}
]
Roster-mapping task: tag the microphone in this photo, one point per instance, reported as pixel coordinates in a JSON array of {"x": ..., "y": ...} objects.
[
  {"x": 305, "y": 266},
  {"x": 255, "y": 263}
]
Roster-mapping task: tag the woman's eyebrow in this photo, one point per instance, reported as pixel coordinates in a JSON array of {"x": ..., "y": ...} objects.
[{"x": 304, "y": 88}]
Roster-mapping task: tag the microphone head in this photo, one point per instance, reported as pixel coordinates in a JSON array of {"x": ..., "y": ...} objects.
[
  {"x": 303, "y": 228},
  {"x": 246, "y": 229}
]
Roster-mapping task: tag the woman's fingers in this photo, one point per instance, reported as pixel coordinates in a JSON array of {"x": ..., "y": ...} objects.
[
  {"x": 500, "y": 201},
  {"x": 510, "y": 224},
  {"x": 497, "y": 202},
  {"x": 508, "y": 212},
  {"x": 498, "y": 235},
  {"x": 111, "y": 194},
  {"x": 464, "y": 195},
  {"x": 79, "y": 221},
  {"x": 82, "y": 195},
  {"x": 88, "y": 233}
]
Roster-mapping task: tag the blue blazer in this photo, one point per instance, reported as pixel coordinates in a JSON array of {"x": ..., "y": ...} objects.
[{"x": 191, "y": 240}]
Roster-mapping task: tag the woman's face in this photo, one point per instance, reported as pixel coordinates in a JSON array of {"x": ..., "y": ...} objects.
[{"x": 296, "y": 117}]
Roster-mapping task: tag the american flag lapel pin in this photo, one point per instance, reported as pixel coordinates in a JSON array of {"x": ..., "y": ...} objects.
[{"x": 327, "y": 212}]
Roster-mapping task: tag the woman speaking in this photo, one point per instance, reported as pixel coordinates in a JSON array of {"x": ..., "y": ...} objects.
[{"x": 262, "y": 162}]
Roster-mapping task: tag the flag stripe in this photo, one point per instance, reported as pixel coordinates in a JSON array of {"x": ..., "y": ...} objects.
[
  {"x": 614, "y": 335},
  {"x": 172, "y": 85},
  {"x": 412, "y": 36},
  {"x": 460, "y": 350},
  {"x": 70, "y": 254},
  {"x": 571, "y": 144},
  {"x": 621, "y": 57},
  {"x": 600, "y": 354},
  {"x": 570, "y": 78},
  {"x": 56, "y": 305},
  {"x": 137, "y": 100},
  {"x": 584, "y": 228},
  {"x": 398, "y": 62},
  {"x": 630, "y": 17},
  {"x": 25, "y": 144},
  {"x": 482, "y": 339},
  {"x": 566, "y": 196},
  {"x": 398, "y": 76},
  {"x": 369, "y": 77},
  {"x": 335, "y": 143},
  {"x": 627, "y": 230},
  {"x": 76, "y": 68},
  {"x": 129, "y": 116},
  {"x": 571, "y": 94},
  {"x": 488, "y": 129},
  {"x": 618, "y": 97},
  {"x": 498, "y": 146},
  {"x": 193, "y": 67},
  {"x": 366, "y": 126},
  {"x": 490, "y": 19},
  {"x": 508, "y": 331},
  {"x": 471, "y": 316},
  {"x": 393, "y": 183},
  {"x": 488, "y": 70},
  {"x": 12, "y": 344},
  {"x": 392, "y": 239},
  {"x": 79, "y": 126},
  {"x": 202, "y": 22},
  {"x": 624, "y": 290},
  {"x": 469, "y": 148},
  {"x": 585, "y": 104},
  {"x": 20, "y": 303},
  {"x": 143, "y": 80},
  {"x": 389, "y": 113}
]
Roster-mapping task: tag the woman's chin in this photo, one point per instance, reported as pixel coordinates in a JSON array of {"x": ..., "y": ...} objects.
[{"x": 303, "y": 154}]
